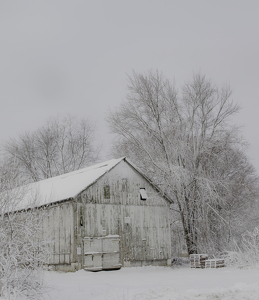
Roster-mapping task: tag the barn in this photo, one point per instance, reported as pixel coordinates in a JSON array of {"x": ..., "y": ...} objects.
[{"x": 102, "y": 217}]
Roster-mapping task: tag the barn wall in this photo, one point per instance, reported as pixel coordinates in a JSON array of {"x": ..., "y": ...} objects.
[
  {"x": 112, "y": 206},
  {"x": 59, "y": 230}
]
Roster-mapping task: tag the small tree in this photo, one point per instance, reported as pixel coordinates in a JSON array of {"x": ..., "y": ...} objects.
[{"x": 61, "y": 145}]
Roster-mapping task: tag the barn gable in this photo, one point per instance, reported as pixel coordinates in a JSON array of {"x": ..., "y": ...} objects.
[
  {"x": 113, "y": 206},
  {"x": 123, "y": 184}
]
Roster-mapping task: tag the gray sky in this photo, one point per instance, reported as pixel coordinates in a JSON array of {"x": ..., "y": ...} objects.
[{"x": 73, "y": 56}]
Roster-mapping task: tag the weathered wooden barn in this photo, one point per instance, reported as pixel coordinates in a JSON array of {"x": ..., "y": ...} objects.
[{"x": 103, "y": 217}]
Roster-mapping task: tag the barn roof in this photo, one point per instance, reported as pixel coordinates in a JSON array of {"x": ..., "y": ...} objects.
[{"x": 63, "y": 187}]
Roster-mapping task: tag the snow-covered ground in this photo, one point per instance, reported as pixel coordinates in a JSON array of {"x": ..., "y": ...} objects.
[{"x": 161, "y": 283}]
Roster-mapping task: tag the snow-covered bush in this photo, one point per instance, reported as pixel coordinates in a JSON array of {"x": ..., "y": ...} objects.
[
  {"x": 247, "y": 253},
  {"x": 23, "y": 251},
  {"x": 180, "y": 261},
  {"x": 23, "y": 255}
]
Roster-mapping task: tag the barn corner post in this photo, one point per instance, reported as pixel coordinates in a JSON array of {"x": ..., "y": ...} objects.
[{"x": 76, "y": 241}]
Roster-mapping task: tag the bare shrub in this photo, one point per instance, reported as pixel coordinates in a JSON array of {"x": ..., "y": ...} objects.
[
  {"x": 247, "y": 253},
  {"x": 23, "y": 251}
]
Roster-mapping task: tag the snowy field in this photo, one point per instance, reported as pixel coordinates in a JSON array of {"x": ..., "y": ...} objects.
[{"x": 160, "y": 283}]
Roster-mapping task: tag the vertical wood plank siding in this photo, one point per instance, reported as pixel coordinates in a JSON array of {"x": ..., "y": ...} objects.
[{"x": 58, "y": 229}]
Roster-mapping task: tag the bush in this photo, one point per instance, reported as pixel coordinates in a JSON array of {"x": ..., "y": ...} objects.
[
  {"x": 247, "y": 254},
  {"x": 23, "y": 255}
]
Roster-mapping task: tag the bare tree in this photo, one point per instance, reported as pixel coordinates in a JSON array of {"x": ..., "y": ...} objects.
[
  {"x": 61, "y": 145},
  {"x": 172, "y": 139}
]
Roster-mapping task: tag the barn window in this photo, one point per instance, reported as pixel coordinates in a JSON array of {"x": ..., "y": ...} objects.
[
  {"x": 143, "y": 194},
  {"x": 106, "y": 192}
]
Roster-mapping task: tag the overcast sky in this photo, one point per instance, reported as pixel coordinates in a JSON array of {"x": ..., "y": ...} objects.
[{"x": 73, "y": 56}]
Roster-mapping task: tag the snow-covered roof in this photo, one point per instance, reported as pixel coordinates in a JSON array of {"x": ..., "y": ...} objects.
[{"x": 63, "y": 187}]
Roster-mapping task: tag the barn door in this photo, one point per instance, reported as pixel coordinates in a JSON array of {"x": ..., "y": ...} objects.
[
  {"x": 111, "y": 252},
  {"x": 93, "y": 254},
  {"x": 102, "y": 253}
]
